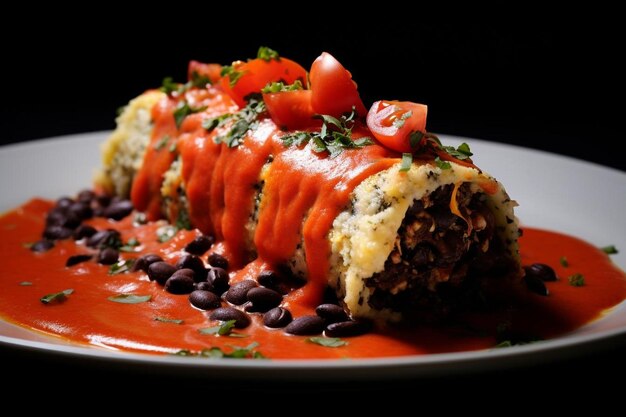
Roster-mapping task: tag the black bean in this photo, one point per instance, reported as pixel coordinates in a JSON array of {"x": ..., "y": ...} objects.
[
  {"x": 57, "y": 232},
  {"x": 348, "y": 328},
  {"x": 117, "y": 210},
  {"x": 105, "y": 238},
  {"x": 237, "y": 293},
  {"x": 160, "y": 272},
  {"x": 536, "y": 285},
  {"x": 64, "y": 202},
  {"x": 204, "y": 286},
  {"x": 541, "y": 271},
  {"x": 42, "y": 245},
  {"x": 199, "y": 245},
  {"x": 204, "y": 300},
  {"x": 263, "y": 299},
  {"x": 277, "y": 317},
  {"x": 218, "y": 261},
  {"x": 83, "y": 231},
  {"x": 86, "y": 196},
  {"x": 186, "y": 272},
  {"x": 62, "y": 217},
  {"x": 332, "y": 313},
  {"x": 218, "y": 278},
  {"x": 76, "y": 259},
  {"x": 81, "y": 210},
  {"x": 269, "y": 279},
  {"x": 195, "y": 264},
  {"x": 103, "y": 200},
  {"x": 108, "y": 256},
  {"x": 231, "y": 313},
  {"x": 143, "y": 262},
  {"x": 306, "y": 325},
  {"x": 179, "y": 284}
]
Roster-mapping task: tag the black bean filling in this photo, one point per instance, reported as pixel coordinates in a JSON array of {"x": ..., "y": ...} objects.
[{"x": 437, "y": 267}]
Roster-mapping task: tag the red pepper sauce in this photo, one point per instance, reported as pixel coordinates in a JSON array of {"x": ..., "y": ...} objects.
[{"x": 87, "y": 316}]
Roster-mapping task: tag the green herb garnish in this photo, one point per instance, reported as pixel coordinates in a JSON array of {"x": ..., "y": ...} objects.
[
  {"x": 26, "y": 283},
  {"x": 121, "y": 267},
  {"x": 246, "y": 352},
  {"x": 267, "y": 54},
  {"x": 139, "y": 219},
  {"x": 334, "y": 137},
  {"x": 241, "y": 122},
  {"x": 129, "y": 298},
  {"x": 183, "y": 109},
  {"x": 161, "y": 143},
  {"x": 166, "y": 320},
  {"x": 130, "y": 246},
  {"x": 610, "y": 250},
  {"x": 576, "y": 280},
  {"x": 232, "y": 74},
  {"x": 168, "y": 86},
  {"x": 564, "y": 262},
  {"x": 407, "y": 161},
  {"x": 199, "y": 81},
  {"x": 327, "y": 341},
  {"x": 280, "y": 87},
  {"x": 442, "y": 164},
  {"x": 399, "y": 122},
  {"x": 183, "y": 222},
  {"x": 224, "y": 329},
  {"x": 57, "y": 297},
  {"x": 165, "y": 233}
]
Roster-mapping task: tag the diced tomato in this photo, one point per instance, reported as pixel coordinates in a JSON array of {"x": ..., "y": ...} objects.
[
  {"x": 392, "y": 122},
  {"x": 291, "y": 109},
  {"x": 334, "y": 92},
  {"x": 257, "y": 73},
  {"x": 211, "y": 71}
]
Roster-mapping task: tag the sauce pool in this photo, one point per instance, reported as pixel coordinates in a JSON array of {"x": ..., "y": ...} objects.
[{"x": 87, "y": 316}]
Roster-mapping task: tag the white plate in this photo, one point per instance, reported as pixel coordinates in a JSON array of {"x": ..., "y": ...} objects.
[{"x": 555, "y": 192}]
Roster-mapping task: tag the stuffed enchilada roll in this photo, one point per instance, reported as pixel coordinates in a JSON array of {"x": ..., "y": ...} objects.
[{"x": 288, "y": 179}]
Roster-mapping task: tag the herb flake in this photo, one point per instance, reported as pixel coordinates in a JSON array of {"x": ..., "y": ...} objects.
[
  {"x": 245, "y": 352},
  {"x": 130, "y": 298},
  {"x": 576, "y": 280},
  {"x": 168, "y": 320},
  {"x": 610, "y": 250},
  {"x": 121, "y": 267},
  {"x": 279, "y": 87},
  {"x": 25, "y": 283},
  {"x": 130, "y": 246},
  {"x": 327, "y": 341},
  {"x": 183, "y": 109},
  {"x": 564, "y": 262},
  {"x": 166, "y": 232},
  {"x": 57, "y": 297},
  {"x": 407, "y": 161},
  {"x": 232, "y": 74},
  {"x": 161, "y": 143},
  {"x": 224, "y": 329},
  {"x": 334, "y": 137},
  {"x": 239, "y": 123},
  {"x": 267, "y": 54}
]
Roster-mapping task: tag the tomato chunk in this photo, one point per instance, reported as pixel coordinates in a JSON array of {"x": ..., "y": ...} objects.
[{"x": 392, "y": 122}]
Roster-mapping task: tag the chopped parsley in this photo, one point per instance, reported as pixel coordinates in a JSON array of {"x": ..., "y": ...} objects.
[
  {"x": 167, "y": 320},
  {"x": 232, "y": 74},
  {"x": 121, "y": 267},
  {"x": 245, "y": 352},
  {"x": 183, "y": 109},
  {"x": 442, "y": 164},
  {"x": 224, "y": 329},
  {"x": 26, "y": 283},
  {"x": 564, "y": 262},
  {"x": 161, "y": 143},
  {"x": 399, "y": 122},
  {"x": 139, "y": 219},
  {"x": 198, "y": 80},
  {"x": 130, "y": 246},
  {"x": 267, "y": 54},
  {"x": 327, "y": 341},
  {"x": 334, "y": 137},
  {"x": 610, "y": 250},
  {"x": 278, "y": 87},
  {"x": 130, "y": 298},
  {"x": 407, "y": 161},
  {"x": 168, "y": 86},
  {"x": 240, "y": 123},
  {"x": 576, "y": 280},
  {"x": 183, "y": 222},
  {"x": 166, "y": 232},
  {"x": 57, "y": 297}
]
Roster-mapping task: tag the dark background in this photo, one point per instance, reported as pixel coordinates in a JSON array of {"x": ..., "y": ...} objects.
[{"x": 551, "y": 83}]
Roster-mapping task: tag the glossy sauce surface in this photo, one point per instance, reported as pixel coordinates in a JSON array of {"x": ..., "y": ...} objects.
[{"x": 87, "y": 316}]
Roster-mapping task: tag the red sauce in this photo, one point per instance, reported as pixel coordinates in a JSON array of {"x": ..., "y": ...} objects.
[{"x": 87, "y": 316}]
